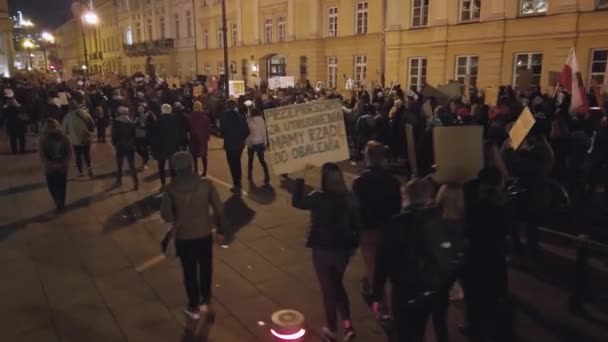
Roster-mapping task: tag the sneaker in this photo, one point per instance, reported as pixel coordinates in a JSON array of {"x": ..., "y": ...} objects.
[
  {"x": 328, "y": 335},
  {"x": 192, "y": 313},
  {"x": 349, "y": 334}
]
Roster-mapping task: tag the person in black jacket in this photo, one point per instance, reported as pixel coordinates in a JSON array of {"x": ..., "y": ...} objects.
[
  {"x": 333, "y": 238},
  {"x": 15, "y": 125},
  {"x": 165, "y": 140},
  {"x": 379, "y": 194},
  {"x": 123, "y": 139},
  {"x": 235, "y": 130}
]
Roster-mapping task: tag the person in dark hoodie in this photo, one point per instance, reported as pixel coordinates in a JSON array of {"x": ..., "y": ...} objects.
[
  {"x": 55, "y": 150},
  {"x": 15, "y": 125},
  {"x": 166, "y": 137},
  {"x": 123, "y": 139},
  {"x": 379, "y": 195},
  {"x": 235, "y": 130}
]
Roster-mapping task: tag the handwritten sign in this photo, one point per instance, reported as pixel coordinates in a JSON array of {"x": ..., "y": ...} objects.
[
  {"x": 521, "y": 128},
  {"x": 491, "y": 96},
  {"x": 306, "y": 134},
  {"x": 237, "y": 88},
  {"x": 458, "y": 153}
]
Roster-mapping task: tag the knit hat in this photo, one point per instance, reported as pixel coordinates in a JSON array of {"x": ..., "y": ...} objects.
[
  {"x": 182, "y": 161},
  {"x": 166, "y": 109}
]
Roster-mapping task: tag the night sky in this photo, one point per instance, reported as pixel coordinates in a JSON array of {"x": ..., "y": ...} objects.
[{"x": 44, "y": 13}]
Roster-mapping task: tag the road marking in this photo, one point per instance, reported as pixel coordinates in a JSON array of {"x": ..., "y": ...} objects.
[
  {"x": 221, "y": 182},
  {"x": 150, "y": 262}
]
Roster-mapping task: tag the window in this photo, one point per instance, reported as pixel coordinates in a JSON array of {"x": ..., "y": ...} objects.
[
  {"x": 220, "y": 37},
  {"x": 189, "y": 23},
  {"x": 235, "y": 35},
  {"x": 150, "y": 29},
  {"x": 417, "y": 73},
  {"x": 467, "y": 66},
  {"x": 138, "y": 25},
  {"x": 162, "y": 27},
  {"x": 361, "y": 17},
  {"x": 599, "y": 61},
  {"x": 177, "y": 25},
  {"x": 268, "y": 30},
  {"x": 534, "y": 7},
  {"x": 332, "y": 21},
  {"x": 532, "y": 61},
  {"x": 220, "y": 68},
  {"x": 602, "y": 4},
  {"x": 281, "y": 28},
  {"x": 469, "y": 10},
  {"x": 206, "y": 39},
  {"x": 332, "y": 72},
  {"x": 129, "y": 36},
  {"x": 360, "y": 68},
  {"x": 420, "y": 13},
  {"x": 207, "y": 69}
]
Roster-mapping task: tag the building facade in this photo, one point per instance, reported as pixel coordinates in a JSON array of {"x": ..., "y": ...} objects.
[
  {"x": 315, "y": 40},
  {"x": 70, "y": 49},
  {"x": 490, "y": 41},
  {"x": 6, "y": 41},
  {"x": 159, "y": 33}
]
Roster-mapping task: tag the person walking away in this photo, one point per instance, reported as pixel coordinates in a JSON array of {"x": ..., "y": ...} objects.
[
  {"x": 79, "y": 127},
  {"x": 256, "y": 144},
  {"x": 123, "y": 139},
  {"x": 166, "y": 140},
  {"x": 100, "y": 123},
  {"x": 186, "y": 203},
  {"x": 15, "y": 121},
  {"x": 55, "y": 151},
  {"x": 199, "y": 136},
  {"x": 235, "y": 131},
  {"x": 379, "y": 194},
  {"x": 141, "y": 135},
  {"x": 180, "y": 114},
  {"x": 364, "y": 130},
  {"x": 333, "y": 237}
]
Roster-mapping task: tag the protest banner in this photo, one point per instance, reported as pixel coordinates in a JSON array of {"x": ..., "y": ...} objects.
[
  {"x": 521, "y": 128},
  {"x": 236, "y": 88},
  {"x": 411, "y": 149},
  {"x": 430, "y": 91},
  {"x": 451, "y": 90},
  {"x": 491, "y": 96},
  {"x": 524, "y": 80},
  {"x": 306, "y": 134},
  {"x": 449, "y": 144},
  {"x": 197, "y": 91},
  {"x": 281, "y": 82}
]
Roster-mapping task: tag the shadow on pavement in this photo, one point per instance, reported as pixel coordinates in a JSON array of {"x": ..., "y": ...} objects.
[
  {"x": 262, "y": 194},
  {"x": 290, "y": 185},
  {"x": 194, "y": 333},
  {"x": 236, "y": 215},
  {"x": 132, "y": 213},
  {"x": 22, "y": 188}
]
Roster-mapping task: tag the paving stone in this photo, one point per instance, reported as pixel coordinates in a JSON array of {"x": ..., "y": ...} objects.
[
  {"x": 37, "y": 335},
  {"x": 124, "y": 288},
  {"x": 148, "y": 322},
  {"x": 253, "y": 267},
  {"x": 166, "y": 282},
  {"x": 229, "y": 286},
  {"x": 23, "y": 319}
]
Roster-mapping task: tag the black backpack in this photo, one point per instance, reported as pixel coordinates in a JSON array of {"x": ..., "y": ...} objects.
[{"x": 55, "y": 148}]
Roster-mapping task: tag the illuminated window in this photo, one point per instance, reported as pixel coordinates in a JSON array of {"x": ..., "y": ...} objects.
[
  {"x": 220, "y": 37},
  {"x": 281, "y": 25},
  {"x": 467, "y": 66},
  {"x": 360, "y": 68},
  {"x": 268, "y": 30},
  {"x": 599, "y": 64},
  {"x": 332, "y": 21},
  {"x": 361, "y": 17},
  {"x": 417, "y": 73},
  {"x": 531, "y": 61},
  {"x": 420, "y": 13},
  {"x": 235, "y": 35},
  {"x": 470, "y": 10},
  {"x": 332, "y": 72},
  {"x": 533, "y": 7}
]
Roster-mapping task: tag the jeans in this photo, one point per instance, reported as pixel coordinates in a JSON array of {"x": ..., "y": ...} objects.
[
  {"x": 129, "y": 154},
  {"x": 330, "y": 267},
  {"x": 203, "y": 160},
  {"x": 17, "y": 140},
  {"x": 81, "y": 151},
  {"x": 162, "y": 163},
  {"x": 57, "y": 181},
  {"x": 234, "y": 162},
  {"x": 101, "y": 130},
  {"x": 411, "y": 317},
  {"x": 251, "y": 152},
  {"x": 141, "y": 146},
  {"x": 196, "y": 257}
]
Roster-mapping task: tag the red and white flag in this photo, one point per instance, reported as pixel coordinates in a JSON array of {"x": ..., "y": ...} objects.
[{"x": 571, "y": 80}]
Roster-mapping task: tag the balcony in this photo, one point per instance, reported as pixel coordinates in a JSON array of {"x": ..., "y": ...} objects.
[{"x": 149, "y": 48}]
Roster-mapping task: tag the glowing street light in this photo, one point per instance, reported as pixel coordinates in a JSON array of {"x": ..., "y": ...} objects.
[
  {"x": 90, "y": 18},
  {"x": 28, "y": 44},
  {"x": 47, "y": 37},
  {"x": 26, "y": 23}
]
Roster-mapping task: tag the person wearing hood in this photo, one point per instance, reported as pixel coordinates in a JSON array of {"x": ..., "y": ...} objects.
[
  {"x": 166, "y": 139},
  {"x": 234, "y": 129},
  {"x": 141, "y": 134},
  {"x": 55, "y": 152},
  {"x": 187, "y": 203},
  {"x": 199, "y": 136},
  {"x": 79, "y": 126},
  {"x": 123, "y": 139},
  {"x": 15, "y": 122}
]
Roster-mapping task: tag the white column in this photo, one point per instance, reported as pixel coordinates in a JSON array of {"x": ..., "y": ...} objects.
[
  {"x": 393, "y": 15},
  {"x": 315, "y": 14}
]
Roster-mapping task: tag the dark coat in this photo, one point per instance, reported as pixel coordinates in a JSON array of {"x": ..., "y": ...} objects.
[
  {"x": 166, "y": 137},
  {"x": 234, "y": 129},
  {"x": 379, "y": 195},
  {"x": 123, "y": 134},
  {"x": 199, "y": 134}
]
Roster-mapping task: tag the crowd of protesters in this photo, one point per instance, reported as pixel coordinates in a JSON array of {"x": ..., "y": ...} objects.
[{"x": 565, "y": 149}]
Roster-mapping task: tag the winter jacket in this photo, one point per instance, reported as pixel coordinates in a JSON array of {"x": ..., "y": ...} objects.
[
  {"x": 379, "y": 196},
  {"x": 199, "y": 134},
  {"x": 234, "y": 129},
  {"x": 123, "y": 133},
  {"x": 167, "y": 136},
  {"x": 257, "y": 127},
  {"x": 55, "y": 150},
  {"x": 141, "y": 129},
  {"x": 334, "y": 219},
  {"x": 79, "y": 126},
  {"x": 186, "y": 203}
]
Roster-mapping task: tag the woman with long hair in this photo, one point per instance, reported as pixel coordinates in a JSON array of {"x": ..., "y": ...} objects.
[
  {"x": 333, "y": 237},
  {"x": 55, "y": 153}
]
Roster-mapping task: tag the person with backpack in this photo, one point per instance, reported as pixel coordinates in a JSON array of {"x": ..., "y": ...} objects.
[
  {"x": 79, "y": 127},
  {"x": 333, "y": 237},
  {"x": 55, "y": 153},
  {"x": 187, "y": 203},
  {"x": 123, "y": 139}
]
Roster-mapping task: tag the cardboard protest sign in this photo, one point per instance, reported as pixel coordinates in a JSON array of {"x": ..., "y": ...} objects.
[
  {"x": 429, "y": 91},
  {"x": 306, "y": 134},
  {"x": 281, "y": 82},
  {"x": 197, "y": 91},
  {"x": 524, "y": 80},
  {"x": 237, "y": 88},
  {"x": 411, "y": 149},
  {"x": 491, "y": 96},
  {"x": 521, "y": 128},
  {"x": 458, "y": 153},
  {"x": 451, "y": 90}
]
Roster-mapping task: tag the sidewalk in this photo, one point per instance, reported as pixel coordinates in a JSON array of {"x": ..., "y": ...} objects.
[{"x": 90, "y": 274}]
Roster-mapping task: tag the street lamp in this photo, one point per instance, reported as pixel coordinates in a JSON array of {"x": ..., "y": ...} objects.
[
  {"x": 28, "y": 45},
  {"x": 47, "y": 38},
  {"x": 88, "y": 17}
]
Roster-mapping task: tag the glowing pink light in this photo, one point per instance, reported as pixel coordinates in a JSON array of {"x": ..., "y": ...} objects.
[{"x": 289, "y": 337}]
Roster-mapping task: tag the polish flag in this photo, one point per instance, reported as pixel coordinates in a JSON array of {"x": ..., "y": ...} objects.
[{"x": 571, "y": 80}]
